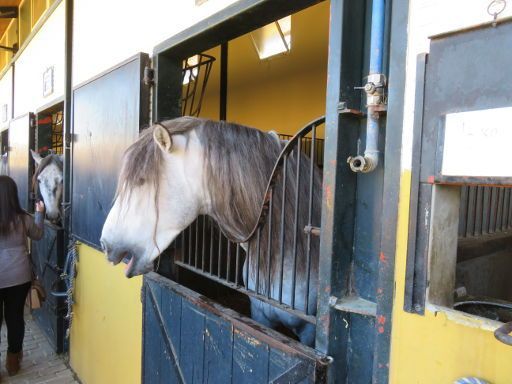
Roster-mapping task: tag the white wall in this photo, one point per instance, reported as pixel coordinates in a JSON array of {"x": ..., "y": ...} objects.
[
  {"x": 6, "y": 97},
  {"x": 428, "y": 18},
  {"x": 107, "y": 32},
  {"x": 45, "y": 50}
]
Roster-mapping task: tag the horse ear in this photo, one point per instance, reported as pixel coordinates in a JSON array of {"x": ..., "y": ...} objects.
[
  {"x": 36, "y": 157},
  {"x": 163, "y": 138}
]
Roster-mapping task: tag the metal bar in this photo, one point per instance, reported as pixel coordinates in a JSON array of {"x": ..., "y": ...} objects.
[
  {"x": 251, "y": 293},
  {"x": 211, "y": 249},
  {"x": 310, "y": 215},
  {"x": 269, "y": 241},
  {"x": 219, "y": 253},
  {"x": 228, "y": 267},
  {"x": 237, "y": 263},
  {"x": 223, "y": 81},
  {"x": 281, "y": 229},
  {"x": 203, "y": 245},
  {"x": 189, "y": 230},
  {"x": 196, "y": 241},
  {"x": 296, "y": 222},
  {"x": 258, "y": 238},
  {"x": 247, "y": 263}
]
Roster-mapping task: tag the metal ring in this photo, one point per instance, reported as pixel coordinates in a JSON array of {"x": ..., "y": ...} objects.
[
  {"x": 494, "y": 3},
  {"x": 502, "y": 333}
]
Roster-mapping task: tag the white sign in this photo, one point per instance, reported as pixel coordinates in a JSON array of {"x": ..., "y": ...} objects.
[
  {"x": 478, "y": 143},
  {"x": 48, "y": 82}
]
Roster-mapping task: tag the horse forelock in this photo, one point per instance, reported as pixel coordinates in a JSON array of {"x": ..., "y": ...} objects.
[{"x": 142, "y": 162}]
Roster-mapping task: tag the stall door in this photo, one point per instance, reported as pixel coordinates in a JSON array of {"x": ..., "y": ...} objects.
[
  {"x": 108, "y": 112},
  {"x": 190, "y": 339},
  {"x": 21, "y": 137},
  {"x": 48, "y": 258}
]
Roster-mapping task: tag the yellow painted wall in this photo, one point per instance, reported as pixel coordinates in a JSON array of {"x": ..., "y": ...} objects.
[
  {"x": 282, "y": 93},
  {"x": 106, "y": 334},
  {"x": 444, "y": 344}
]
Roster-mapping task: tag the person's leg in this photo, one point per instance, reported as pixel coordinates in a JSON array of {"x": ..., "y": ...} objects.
[{"x": 14, "y": 303}]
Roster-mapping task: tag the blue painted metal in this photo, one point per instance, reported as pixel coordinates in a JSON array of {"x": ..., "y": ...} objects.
[
  {"x": 108, "y": 112},
  {"x": 377, "y": 35}
]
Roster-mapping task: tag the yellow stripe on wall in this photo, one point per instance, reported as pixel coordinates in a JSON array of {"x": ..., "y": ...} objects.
[
  {"x": 106, "y": 334},
  {"x": 442, "y": 345}
]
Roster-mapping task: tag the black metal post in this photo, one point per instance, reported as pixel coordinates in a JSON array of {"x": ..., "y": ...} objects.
[
  {"x": 68, "y": 119},
  {"x": 346, "y": 40},
  {"x": 223, "y": 81},
  {"x": 385, "y": 281}
]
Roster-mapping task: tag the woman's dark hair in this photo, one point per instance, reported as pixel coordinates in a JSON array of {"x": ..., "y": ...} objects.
[{"x": 10, "y": 208}]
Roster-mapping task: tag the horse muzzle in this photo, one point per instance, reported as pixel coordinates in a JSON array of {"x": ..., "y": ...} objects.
[{"x": 134, "y": 264}]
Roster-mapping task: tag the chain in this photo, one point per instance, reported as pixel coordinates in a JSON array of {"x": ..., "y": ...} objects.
[
  {"x": 68, "y": 276},
  {"x": 494, "y": 8}
]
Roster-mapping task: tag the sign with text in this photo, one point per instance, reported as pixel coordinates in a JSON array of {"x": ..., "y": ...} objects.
[{"x": 478, "y": 143}]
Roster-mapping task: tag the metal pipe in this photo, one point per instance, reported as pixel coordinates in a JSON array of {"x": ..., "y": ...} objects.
[{"x": 374, "y": 92}]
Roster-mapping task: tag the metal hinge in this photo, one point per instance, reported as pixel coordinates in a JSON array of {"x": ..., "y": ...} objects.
[{"x": 149, "y": 76}]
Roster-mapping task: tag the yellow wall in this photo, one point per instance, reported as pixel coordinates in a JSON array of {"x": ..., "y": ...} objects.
[
  {"x": 284, "y": 92},
  {"x": 106, "y": 334},
  {"x": 442, "y": 345}
]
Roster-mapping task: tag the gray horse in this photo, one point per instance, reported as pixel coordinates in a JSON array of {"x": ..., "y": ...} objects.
[
  {"x": 47, "y": 183},
  {"x": 182, "y": 168}
]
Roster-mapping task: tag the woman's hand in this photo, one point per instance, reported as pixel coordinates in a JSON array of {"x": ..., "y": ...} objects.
[{"x": 39, "y": 206}]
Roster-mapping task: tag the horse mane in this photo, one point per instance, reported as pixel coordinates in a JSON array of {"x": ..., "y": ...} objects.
[
  {"x": 238, "y": 163},
  {"x": 51, "y": 158}
]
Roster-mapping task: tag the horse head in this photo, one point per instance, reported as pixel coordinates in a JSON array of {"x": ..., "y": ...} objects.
[
  {"x": 160, "y": 192},
  {"x": 47, "y": 183}
]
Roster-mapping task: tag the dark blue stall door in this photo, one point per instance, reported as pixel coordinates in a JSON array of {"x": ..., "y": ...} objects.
[{"x": 190, "y": 339}]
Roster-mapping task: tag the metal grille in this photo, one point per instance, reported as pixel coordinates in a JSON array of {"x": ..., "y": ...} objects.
[
  {"x": 306, "y": 144},
  {"x": 196, "y": 72},
  {"x": 278, "y": 261},
  {"x": 485, "y": 210}
]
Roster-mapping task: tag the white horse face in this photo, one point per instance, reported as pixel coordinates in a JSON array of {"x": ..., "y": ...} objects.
[
  {"x": 141, "y": 226},
  {"x": 50, "y": 186}
]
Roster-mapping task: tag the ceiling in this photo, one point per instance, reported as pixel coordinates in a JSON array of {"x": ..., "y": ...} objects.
[{"x": 4, "y": 23}]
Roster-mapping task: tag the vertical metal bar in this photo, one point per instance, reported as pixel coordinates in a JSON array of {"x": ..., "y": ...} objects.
[
  {"x": 258, "y": 238},
  {"x": 237, "y": 264},
  {"x": 269, "y": 240},
  {"x": 248, "y": 263},
  {"x": 499, "y": 211},
  {"x": 296, "y": 223},
  {"x": 223, "y": 81},
  {"x": 228, "y": 267},
  {"x": 219, "y": 254},
  {"x": 506, "y": 206},
  {"x": 310, "y": 215},
  {"x": 189, "y": 230},
  {"x": 211, "y": 247},
  {"x": 202, "y": 243},
  {"x": 281, "y": 229},
  {"x": 196, "y": 242}
]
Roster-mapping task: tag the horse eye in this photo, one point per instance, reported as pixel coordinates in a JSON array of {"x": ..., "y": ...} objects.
[{"x": 141, "y": 181}]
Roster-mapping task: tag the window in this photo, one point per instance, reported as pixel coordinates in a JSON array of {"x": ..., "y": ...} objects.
[{"x": 274, "y": 38}]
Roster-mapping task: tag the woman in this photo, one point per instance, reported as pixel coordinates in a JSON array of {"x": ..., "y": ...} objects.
[{"x": 15, "y": 267}]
